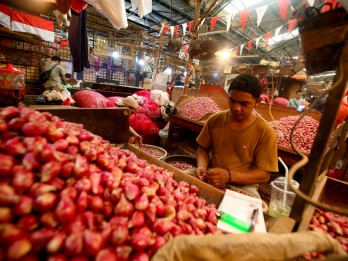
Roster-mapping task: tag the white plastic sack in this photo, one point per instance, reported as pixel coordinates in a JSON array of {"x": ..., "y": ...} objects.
[
  {"x": 160, "y": 97},
  {"x": 144, "y": 8},
  {"x": 113, "y": 10}
]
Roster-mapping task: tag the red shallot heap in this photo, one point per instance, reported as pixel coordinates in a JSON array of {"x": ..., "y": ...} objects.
[
  {"x": 182, "y": 165},
  {"x": 304, "y": 134},
  {"x": 66, "y": 194},
  {"x": 328, "y": 222},
  {"x": 198, "y": 107}
]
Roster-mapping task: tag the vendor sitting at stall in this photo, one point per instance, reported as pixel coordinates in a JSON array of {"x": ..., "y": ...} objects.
[
  {"x": 237, "y": 146},
  {"x": 57, "y": 76},
  {"x": 132, "y": 105}
]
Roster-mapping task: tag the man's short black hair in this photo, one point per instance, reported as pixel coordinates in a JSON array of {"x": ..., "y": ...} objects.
[
  {"x": 55, "y": 58},
  {"x": 246, "y": 83},
  {"x": 298, "y": 91}
]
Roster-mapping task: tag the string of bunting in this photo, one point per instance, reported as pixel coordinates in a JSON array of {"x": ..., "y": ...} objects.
[{"x": 244, "y": 15}]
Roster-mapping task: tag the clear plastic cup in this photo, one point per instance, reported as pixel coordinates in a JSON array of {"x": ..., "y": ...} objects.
[{"x": 281, "y": 200}]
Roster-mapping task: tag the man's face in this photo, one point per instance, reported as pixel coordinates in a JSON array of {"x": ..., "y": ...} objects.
[
  {"x": 241, "y": 104},
  {"x": 298, "y": 95}
]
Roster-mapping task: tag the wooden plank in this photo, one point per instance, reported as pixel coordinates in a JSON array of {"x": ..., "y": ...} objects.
[
  {"x": 209, "y": 193},
  {"x": 309, "y": 209},
  {"x": 112, "y": 124}
]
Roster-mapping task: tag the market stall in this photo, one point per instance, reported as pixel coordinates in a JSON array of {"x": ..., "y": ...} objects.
[{"x": 73, "y": 188}]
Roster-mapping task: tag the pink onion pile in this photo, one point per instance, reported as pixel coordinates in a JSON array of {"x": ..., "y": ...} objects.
[
  {"x": 182, "y": 165},
  {"x": 67, "y": 194},
  {"x": 328, "y": 222},
  {"x": 304, "y": 134},
  {"x": 198, "y": 107}
]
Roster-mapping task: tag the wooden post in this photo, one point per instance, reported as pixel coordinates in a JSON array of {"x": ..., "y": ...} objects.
[
  {"x": 327, "y": 122},
  {"x": 159, "y": 49},
  {"x": 196, "y": 23}
]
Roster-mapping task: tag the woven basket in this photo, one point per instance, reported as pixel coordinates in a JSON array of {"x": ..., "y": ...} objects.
[
  {"x": 322, "y": 39},
  {"x": 204, "y": 49},
  {"x": 174, "y": 45}
]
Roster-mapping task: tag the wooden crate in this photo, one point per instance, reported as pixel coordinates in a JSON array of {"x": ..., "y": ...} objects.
[
  {"x": 282, "y": 111},
  {"x": 329, "y": 191},
  {"x": 210, "y": 193},
  {"x": 112, "y": 124}
]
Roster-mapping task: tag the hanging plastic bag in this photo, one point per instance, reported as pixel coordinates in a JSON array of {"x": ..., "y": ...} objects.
[
  {"x": 114, "y": 11},
  {"x": 78, "y": 5}
]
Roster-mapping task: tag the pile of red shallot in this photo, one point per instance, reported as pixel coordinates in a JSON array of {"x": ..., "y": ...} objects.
[
  {"x": 182, "y": 165},
  {"x": 152, "y": 152},
  {"x": 328, "y": 222},
  {"x": 67, "y": 194},
  {"x": 198, "y": 107},
  {"x": 304, "y": 134}
]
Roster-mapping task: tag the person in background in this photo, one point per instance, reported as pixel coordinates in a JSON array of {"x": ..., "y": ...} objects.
[
  {"x": 57, "y": 76},
  {"x": 237, "y": 146},
  {"x": 132, "y": 105},
  {"x": 297, "y": 101}
]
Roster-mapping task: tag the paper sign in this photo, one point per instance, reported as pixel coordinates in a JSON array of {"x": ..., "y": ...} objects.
[{"x": 241, "y": 206}]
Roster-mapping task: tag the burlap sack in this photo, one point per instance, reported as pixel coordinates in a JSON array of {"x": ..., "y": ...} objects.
[{"x": 247, "y": 247}]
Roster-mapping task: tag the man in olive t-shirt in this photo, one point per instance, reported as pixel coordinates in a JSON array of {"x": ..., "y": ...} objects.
[
  {"x": 57, "y": 76},
  {"x": 242, "y": 145}
]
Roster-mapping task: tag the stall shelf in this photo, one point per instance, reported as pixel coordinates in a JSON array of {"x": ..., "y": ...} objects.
[{"x": 215, "y": 92}]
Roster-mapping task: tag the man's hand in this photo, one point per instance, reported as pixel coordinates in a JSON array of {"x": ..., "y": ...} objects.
[
  {"x": 200, "y": 171},
  {"x": 218, "y": 176},
  {"x": 138, "y": 140}
]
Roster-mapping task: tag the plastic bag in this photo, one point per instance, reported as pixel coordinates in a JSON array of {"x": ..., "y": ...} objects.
[
  {"x": 90, "y": 99},
  {"x": 78, "y": 5},
  {"x": 281, "y": 101},
  {"x": 152, "y": 109},
  {"x": 114, "y": 11},
  {"x": 342, "y": 111}
]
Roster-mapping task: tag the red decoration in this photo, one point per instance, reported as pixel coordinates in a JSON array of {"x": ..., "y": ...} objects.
[
  {"x": 291, "y": 24},
  {"x": 250, "y": 44},
  {"x": 190, "y": 25},
  {"x": 334, "y": 3},
  {"x": 176, "y": 28},
  {"x": 64, "y": 43},
  {"x": 243, "y": 18},
  {"x": 283, "y": 6},
  {"x": 237, "y": 49},
  {"x": 213, "y": 21},
  {"x": 78, "y": 5},
  {"x": 165, "y": 29},
  {"x": 267, "y": 36}
]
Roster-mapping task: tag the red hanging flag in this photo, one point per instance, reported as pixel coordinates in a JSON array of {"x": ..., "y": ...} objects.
[
  {"x": 283, "y": 7},
  {"x": 176, "y": 28},
  {"x": 291, "y": 24},
  {"x": 243, "y": 18},
  {"x": 237, "y": 49},
  {"x": 213, "y": 21},
  {"x": 267, "y": 36},
  {"x": 250, "y": 44},
  {"x": 190, "y": 25},
  {"x": 165, "y": 29}
]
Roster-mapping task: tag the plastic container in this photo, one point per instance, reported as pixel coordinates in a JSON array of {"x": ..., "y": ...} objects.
[
  {"x": 12, "y": 85},
  {"x": 281, "y": 201}
]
